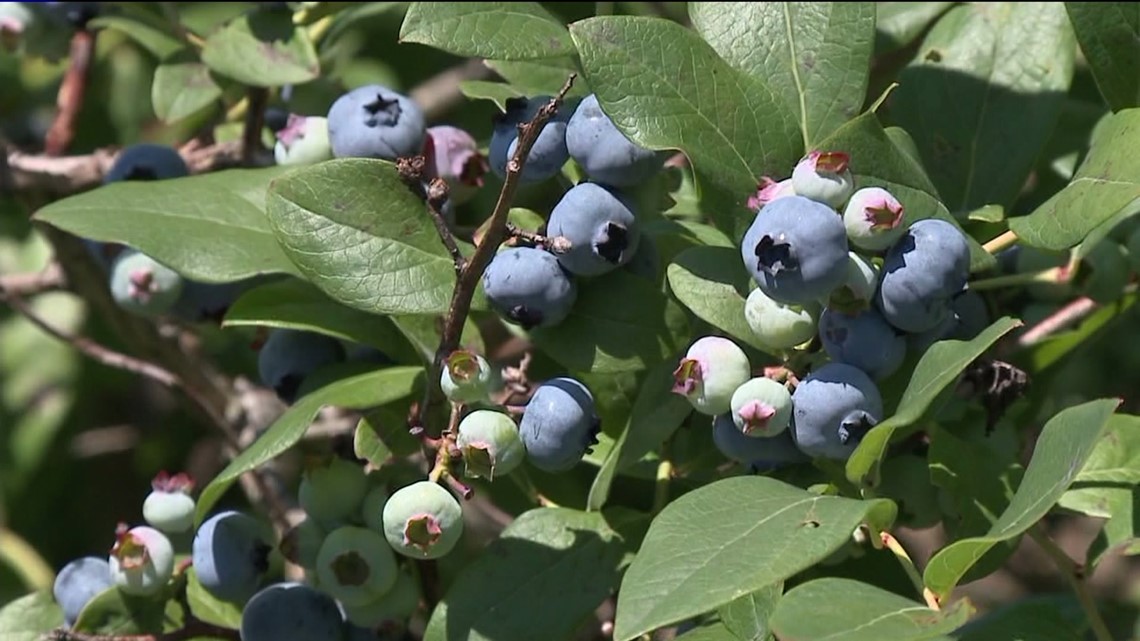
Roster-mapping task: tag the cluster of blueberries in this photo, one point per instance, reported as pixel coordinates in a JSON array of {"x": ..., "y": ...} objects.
[{"x": 840, "y": 265}]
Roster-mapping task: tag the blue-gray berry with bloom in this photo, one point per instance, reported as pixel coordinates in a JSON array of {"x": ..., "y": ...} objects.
[
  {"x": 289, "y": 356},
  {"x": 548, "y": 153},
  {"x": 922, "y": 273},
  {"x": 146, "y": 161},
  {"x": 603, "y": 151},
  {"x": 374, "y": 121},
  {"x": 761, "y": 454},
  {"x": 833, "y": 408},
  {"x": 865, "y": 340},
  {"x": 601, "y": 228},
  {"x": 291, "y": 612},
  {"x": 529, "y": 287},
  {"x": 78, "y": 582},
  {"x": 559, "y": 425},
  {"x": 230, "y": 554}
]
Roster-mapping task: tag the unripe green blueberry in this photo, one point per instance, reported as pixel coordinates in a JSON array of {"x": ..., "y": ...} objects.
[
  {"x": 778, "y": 325},
  {"x": 874, "y": 219},
  {"x": 302, "y": 543},
  {"x": 490, "y": 444},
  {"x": 142, "y": 285},
  {"x": 169, "y": 507},
  {"x": 466, "y": 377},
  {"x": 854, "y": 295},
  {"x": 761, "y": 407},
  {"x": 372, "y": 508},
  {"x": 355, "y": 565},
  {"x": 423, "y": 521},
  {"x": 332, "y": 490},
  {"x": 396, "y": 605},
  {"x": 824, "y": 176},
  {"x": 710, "y": 372},
  {"x": 303, "y": 141},
  {"x": 142, "y": 560}
]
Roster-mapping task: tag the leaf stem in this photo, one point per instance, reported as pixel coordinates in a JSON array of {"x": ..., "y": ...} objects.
[
  {"x": 1075, "y": 574},
  {"x": 1051, "y": 275},
  {"x": 896, "y": 548},
  {"x": 1004, "y": 241}
]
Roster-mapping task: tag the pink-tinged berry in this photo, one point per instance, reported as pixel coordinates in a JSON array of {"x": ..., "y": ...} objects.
[
  {"x": 142, "y": 285},
  {"x": 873, "y": 218},
  {"x": 710, "y": 372},
  {"x": 825, "y": 177},
  {"x": 761, "y": 407},
  {"x": 169, "y": 507},
  {"x": 768, "y": 190},
  {"x": 303, "y": 141},
  {"x": 142, "y": 560},
  {"x": 423, "y": 521},
  {"x": 453, "y": 155}
]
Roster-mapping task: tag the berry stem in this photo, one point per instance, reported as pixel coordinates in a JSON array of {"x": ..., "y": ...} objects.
[
  {"x": 411, "y": 171},
  {"x": 254, "y": 122},
  {"x": 1051, "y": 275},
  {"x": 553, "y": 244},
  {"x": 49, "y": 279},
  {"x": 1005, "y": 240},
  {"x": 1075, "y": 574},
  {"x": 72, "y": 91},
  {"x": 896, "y": 548}
]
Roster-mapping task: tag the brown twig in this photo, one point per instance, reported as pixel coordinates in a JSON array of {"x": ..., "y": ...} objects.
[
  {"x": 439, "y": 93},
  {"x": 69, "y": 100},
  {"x": 254, "y": 122},
  {"x": 1058, "y": 320},
  {"x": 46, "y": 280},
  {"x": 552, "y": 244},
  {"x": 437, "y": 193}
]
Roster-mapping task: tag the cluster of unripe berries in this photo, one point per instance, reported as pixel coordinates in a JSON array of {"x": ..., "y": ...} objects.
[
  {"x": 591, "y": 231},
  {"x": 840, "y": 265}
]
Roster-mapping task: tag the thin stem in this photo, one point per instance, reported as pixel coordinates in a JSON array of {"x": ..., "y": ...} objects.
[
  {"x": 72, "y": 91},
  {"x": 254, "y": 122},
  {"x": 437, "y": 193},
  {"x": 1075, "y": 574},
  {"x": 1005, "y": 240},
  {"x": 909, "y": 568},
  {"x": 1058, "y": 320},
  {"x": 1051, "y": 275},
  {"x": 553, "y": 244},
  {"x": 49, "y": 279}
]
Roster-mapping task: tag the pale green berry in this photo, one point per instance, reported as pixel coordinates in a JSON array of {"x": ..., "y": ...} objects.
[
  {"x": 710, "y": 372},
  {"x": 490, "y": 444},
  {"x": 142, "y": 560},
  {"x": 824, "y": 176},
  {"x": 355, "y": 565},
  {"x": 778, "y": 325},
  {"x": 761, "y": 407},
  {"x": 396, "y": 605},
  {"x": 332, "y": 489},
  {"x": 302, "y": 543},
  {"x": 874, "y": 219},
  {"x": 855, "y": 294},
  {"x": 303, "y": 141},
  {"x": 466, "y": 377},
  {"x": 423, "y": 521},
  {"x": 372, "y": 508},
  {"x": 169, "y": 507}
]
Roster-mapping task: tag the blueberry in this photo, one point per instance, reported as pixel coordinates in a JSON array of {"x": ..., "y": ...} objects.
[
  {"x": 302, "y": 543},
  {"x": 79, "y": 582},
  {"x": 548, "y": 153},
  {"x": 291, "y": 612},
  {"x": 466, "y": 377},
  {"x": 832, "y": 409},
  {"x": 858, "y": 292},
  {"x": 710, "y": 372},
  {"x": 146, "y": 161},
  {"x": 603, "y": 151},
  {"x": 303, "y": 141},
  {"x": 15, "y": 21},
  {"x": 796, "y": 250},
  {"x": 288, "y": 356},
  {"x": 453, "y": 154},
  {"x": 357, "y": 353},
  {"x": 490, "y": 444},
  {"x": 142, "y": 561},
  {"x": 277, "y": 118},
  {"x": 760, "y": 453},
  {"x": 559, "y": 424},
  {"x": 768, "y": 190},
  {"x": 927, "y": 267},
  {"x": 968, "y": 317},
  {"x": 600, "y": 226},
  {"x": 332, "y": 489},
  {"x": 142, "y": 285},
  {"x": 528, "y": 286},
  {"x": 231, "y": 555},
  {"x": 355, "y": 565},
  {"x": 864, "y": 340},
  {"x": 761, "y": 408},
  {"x": 201, "y": 302},
  {"x": 777, "y": 325},
  {"x": 396, "y": 605},
  {"x": 169, "y": 507},
  {"x": 824, "y": 176},
  {"x": 873, "y": 218},
  {"x": 372, "y": 507},
  {"x": 375, "y": 122},
  {"x": 423, "y": 521}
]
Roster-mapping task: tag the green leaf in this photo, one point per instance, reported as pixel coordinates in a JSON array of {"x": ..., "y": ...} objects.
[
  {"x": 876, "y": 161},
  {"x": 29, "y": 617},
  {"x": 711, "y": 632},
  {"x": 656, "y": 413},
  {"x": 730, "y": 538},
  {"x": 359, "y": 234},
  {"x": 835, "y": 609},
  {"x": 424, "y": 334},
  {"x": 1041, "y": 618},
  {"x": 151, "y": 33},
  {"x": 368, "y": 446},
  {"x": 713, "y": 283},
  {"x": 113, "y": 611},
  {"x": 497, "y": 92},
  {"x": 503, "y": 30},
  {"x": 897, "y": 24},
  {"x": 938, "y": 368},
  {"x": 359, "y": 392},
  {"x": 294, "y": 304},
  {"x": 540, "y": 77},
  {"x": 815, "y": 55},
  {"x": 547, "y": 571},
  {"x": 208, "y": 607},
  {"x": 1065, "y": 443},
  {"x": 748, "y": 617},
  {"x": 210, "y": 227},
  {"x": 1109, "y": 35},
  {"x": 262, "y": 49},
  {"x": 181, "y": 89},
  {"x": 1106, "y": 182},
  {"x": 619, "y": 323},
  {"x": 665, "y": 88},
  {"x": 983, "y": 96}
]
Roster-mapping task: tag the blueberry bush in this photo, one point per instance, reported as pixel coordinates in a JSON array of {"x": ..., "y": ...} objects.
[{"x": 709, "y": 321}]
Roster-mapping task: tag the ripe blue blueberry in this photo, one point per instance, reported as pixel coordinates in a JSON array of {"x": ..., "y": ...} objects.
[
  {"x": 796, "y": 250},
  {"x": 303, "y": 141},
  {"x": 146, "y": 161},
  {"x": 291, "y": 612},
  {"x": 201, "y": 302},
  {"x": 603, "y": 151},
  {"x": 423, "y": 520},
  {"x": 761, "y": 408},
  {"x": 922, "y": 272},
  {"x": 529, "y": 287},
  {"x": 777, "y": 325},
  {"x": 142, "y": 285},
  {"x": 968, "y": 317},
  {"x": 169, "y": 507},
  {"x": 832, "y": 409},
  {"x": 466, "y": 377},
  {"x": 874, "y": 219},
  {"x": 375, "y": 122},
  {"x": 78, "y": 582},
  {"x": 549, "y": 152},
  {"x": 600, "y": 226},
  {"x": 825, "y": 177},
  {"x": 332, "y": 489},
  {"x": 396, "y": 605},
  {"x": 142, "y": 560},
  {"x": 355, "y": 565},
  {"x": 231, "y": 555},
  {"x": 453, "y": 154},
  {"x": 490, "y": 444},
  {"x": 710, "y": 372},
  {"x": 865, "y": 340},
  {"x": 288, "y": 356},
  {"x": 559, "y": 424},
  {"x": 761, "y": 454},
  {"x": 768, "y": 190}
]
